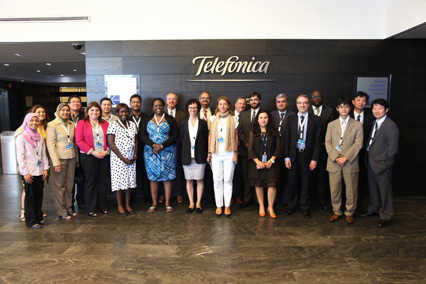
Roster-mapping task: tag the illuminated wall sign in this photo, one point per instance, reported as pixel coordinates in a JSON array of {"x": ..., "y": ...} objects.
[{"x": 212, "y": 65}]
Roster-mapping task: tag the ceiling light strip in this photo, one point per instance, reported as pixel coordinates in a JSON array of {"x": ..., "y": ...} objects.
[{"x": 47, "y": 19}]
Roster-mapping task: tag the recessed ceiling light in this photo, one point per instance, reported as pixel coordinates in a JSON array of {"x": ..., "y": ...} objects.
[
  {"x": 83, "y": 53},
  {"x": 48, "y": 64},
  {"x": 75, "y": 70},
  {"x": 18, "y": 55},
  {"x": 22, "y": 81},
  {"x": 38, "y": 71},
  {"x": 6, "y": 64},
  {"x": 62, "y": 75}
]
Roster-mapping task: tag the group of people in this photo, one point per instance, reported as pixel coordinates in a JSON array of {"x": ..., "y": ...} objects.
[{"x": 248, "y": 151}]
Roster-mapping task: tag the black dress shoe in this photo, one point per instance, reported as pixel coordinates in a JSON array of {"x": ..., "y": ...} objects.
[
  {"x": 368, "y": 214},
  {"x": 245, "y": 205},
  {"x": 189, "y": 210},
  {"x": 131, "y": 212},
  {"x": 383, "y": 223},
  {"x": 198, "y": 210},
  {"x": 324, "y": 207},
  {"x": 122, "y": 213},
  {"x": 306, "y": 214},
  {"x": 288, "y": 212}
]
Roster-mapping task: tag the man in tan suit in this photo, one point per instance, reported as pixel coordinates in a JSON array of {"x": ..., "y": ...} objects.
[{"x": 343, "y": 141}]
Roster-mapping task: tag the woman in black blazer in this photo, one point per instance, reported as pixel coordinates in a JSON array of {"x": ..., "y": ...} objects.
[{"x": 194, "y": 135}]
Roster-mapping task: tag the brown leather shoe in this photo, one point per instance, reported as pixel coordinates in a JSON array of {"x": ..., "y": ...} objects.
[
  {"x": 232, "y": 201},
  {"x": 349, "y": 219},
  {"x": 334, "y": 218},
  {"x": 179, "y": 199},
  {"x": 161, "y": 200},
  {"x": 240, "y": 201}
]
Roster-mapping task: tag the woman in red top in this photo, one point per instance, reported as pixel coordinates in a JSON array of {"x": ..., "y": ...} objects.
[{"x": 91, "y": 140}]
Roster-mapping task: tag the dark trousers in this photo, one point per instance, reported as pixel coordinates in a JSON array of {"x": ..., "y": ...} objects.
[
  {"x": 238, "y": 182},
  {"x": 96, "y": 185},
  {"x": 362, "y": 179},
  {"x": 208, "y": 183},
  {"x": 299, "y": 172},
  {"x": 320, "y": 183},
  {"x": 142, "y": 182},
  {"x": 381, "y": 194},
  {"x": 283, "y": 187},
  {"x": 248, "y": 190},
  {"x": 80, "y": 186},
  {"x": 33, "y": 201}
]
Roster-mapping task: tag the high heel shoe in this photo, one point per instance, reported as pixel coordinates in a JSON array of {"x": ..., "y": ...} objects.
[
  {"x": 262, "y": 214},
  {"x": 272, "y": 216}
]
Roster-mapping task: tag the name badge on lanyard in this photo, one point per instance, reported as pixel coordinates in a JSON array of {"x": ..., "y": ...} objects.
[
  {"x": 67, "y": 129},
  {"x": 221, "y": 140},
  {"x": 38, "y": 150},
  {"x": 98, "y": 144},
  {"x": 265, "y": 141}
]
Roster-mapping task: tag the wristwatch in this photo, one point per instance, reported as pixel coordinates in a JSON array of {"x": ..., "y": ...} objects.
[{"x": 272, "y": 161}]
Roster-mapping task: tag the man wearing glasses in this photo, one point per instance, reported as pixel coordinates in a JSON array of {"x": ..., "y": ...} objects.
[
  {"x": 301, "y": 151},
  {"x": 74, "y": 102}
]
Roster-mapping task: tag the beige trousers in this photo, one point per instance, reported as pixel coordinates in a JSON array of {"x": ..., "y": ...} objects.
[
  {"x": 62, "y": 184},
  {"x": 351, "y": 183}
]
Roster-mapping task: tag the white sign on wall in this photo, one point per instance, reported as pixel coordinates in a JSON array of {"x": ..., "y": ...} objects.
[
  {"x": 119, "y": 88},
  {"x": 375, "y": 87}
]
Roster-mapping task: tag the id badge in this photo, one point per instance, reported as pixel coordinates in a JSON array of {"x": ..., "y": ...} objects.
[
  {"x": 221, "y": 140},
  {"x": 192, "y": 147},
  {"x": 69, "y": 146},
  {"x": 39, "y": 163},
  {"x": 264, "y": 158},
  {"x": 98, "y": 144},
  {"x": 338, "y": 148},
  {"x": 301, "y": 143}
]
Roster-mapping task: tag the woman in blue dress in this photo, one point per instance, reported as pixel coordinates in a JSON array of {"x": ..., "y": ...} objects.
[{"x": 159, "y": 133}]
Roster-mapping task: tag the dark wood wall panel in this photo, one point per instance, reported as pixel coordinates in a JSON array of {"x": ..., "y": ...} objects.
[{"x": 296, "y": 66}]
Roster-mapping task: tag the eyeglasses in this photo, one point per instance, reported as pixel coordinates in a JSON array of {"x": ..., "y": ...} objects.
[
  {"x": 75, "y": 102},
  {"x": 316, "y": 97},
  {"x": 302, "y": 103}
]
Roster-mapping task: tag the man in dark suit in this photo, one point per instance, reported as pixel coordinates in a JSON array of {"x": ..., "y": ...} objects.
[
  {"x": 238, "y": 182},
  {"x": 279, "y": 119},
  {"x": 245, "y": 124},
  {"x": 179, "y": 182},
  {"x": 327, "y": 115},
  {"x": 142, "y": 182},
  {"x": 367, "y": 119},
  {"x": 301, "y": 152},
  {"x": 381, "y": 149}
]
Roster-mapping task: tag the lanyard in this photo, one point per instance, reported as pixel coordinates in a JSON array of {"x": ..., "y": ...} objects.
[
  {"x": 158, "y": 122},
  {"x": 68, "y": 131},
  {"x": 127, "y": 129},
  {"x": 301, "y": 125},
  {"x": 96, "y": 128},
  {"x": 136, "y": 121},
  {"x": 265, "y": 140},
  {"x": 221, "y": 124},
  {"x": 281, "y": 122}
]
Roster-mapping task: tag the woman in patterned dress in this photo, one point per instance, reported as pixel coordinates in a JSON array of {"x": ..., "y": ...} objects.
[
  {"x": 122, "y": 140},
  {"x": 159, "y": 132}
]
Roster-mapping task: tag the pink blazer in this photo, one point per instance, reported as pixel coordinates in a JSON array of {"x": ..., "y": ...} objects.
[{"x": 84, "y": 136}]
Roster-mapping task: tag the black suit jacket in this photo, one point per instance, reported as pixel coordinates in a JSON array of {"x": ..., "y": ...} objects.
[
  {"x": 327, "y": 116},
  {"x": 140, "y": 142},
  {"x": 313, "y": 138},
  {"x": 244, "y": 127},
  {"x": 275, "y": 120},
  {"x": 201, "y": 143},
  {"x": 368, "y": 123},
  {"x": 179, "y": 117}
]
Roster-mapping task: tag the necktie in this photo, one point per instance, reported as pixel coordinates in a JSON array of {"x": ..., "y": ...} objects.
[
  {"x": 343, "y": 127},
  {"x": 376, "y": 127},
  {"x": 359, "y": 118},
  {"x": 252, "y": 117},
  {"x": 316, "y": 111},
  {"x": 302, "y": 118},
  {"x": 205, "y": 115},
  {"x": 281, "y": 116}
]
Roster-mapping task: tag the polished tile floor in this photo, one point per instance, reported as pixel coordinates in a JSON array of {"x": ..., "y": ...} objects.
[{"x": 180, "y": 248}]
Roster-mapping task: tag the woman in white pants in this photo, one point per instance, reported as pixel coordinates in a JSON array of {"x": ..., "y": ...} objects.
[{"x": 223, "y": 153}]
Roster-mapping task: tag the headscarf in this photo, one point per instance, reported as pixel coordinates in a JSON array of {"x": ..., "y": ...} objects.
[
  {"x": 58, "y": 116},
  {"x": 31, "y": 135}
]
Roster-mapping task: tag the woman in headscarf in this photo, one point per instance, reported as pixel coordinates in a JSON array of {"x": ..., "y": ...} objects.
[
  {"x": 33, "y": 166},
  {"x": 63, "y": 153},
  {"x": 223, "y": 153},
  {"x": 41, "y": 113}
]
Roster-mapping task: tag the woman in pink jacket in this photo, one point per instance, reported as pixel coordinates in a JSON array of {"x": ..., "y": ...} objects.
[{"x": 91, "y": 140}]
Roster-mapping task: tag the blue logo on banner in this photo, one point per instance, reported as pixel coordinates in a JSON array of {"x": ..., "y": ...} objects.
[{"x": 115, "y": 100}]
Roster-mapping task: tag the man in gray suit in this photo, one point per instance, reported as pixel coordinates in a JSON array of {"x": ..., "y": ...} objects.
[
  {"x": 382, "y": 148},
  {"x": 343, "y": 140},
  {"x": 327, "y": 115},
  {"x": 279, "y": 120}
]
